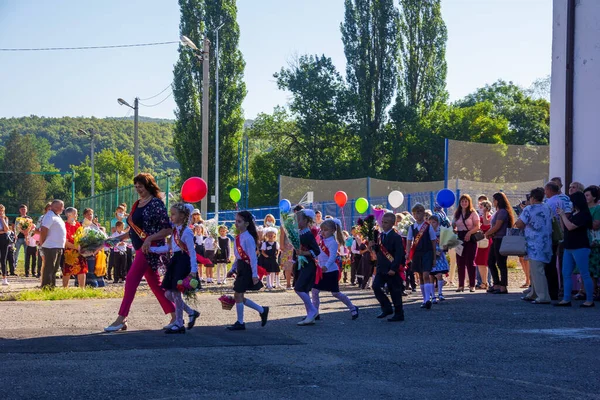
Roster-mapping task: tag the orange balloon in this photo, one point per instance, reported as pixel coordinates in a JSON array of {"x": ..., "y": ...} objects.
[{"x": 340, "y": 198}]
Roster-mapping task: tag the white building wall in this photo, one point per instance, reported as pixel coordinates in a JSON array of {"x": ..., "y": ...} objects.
[{"x": 586, "y": 126}]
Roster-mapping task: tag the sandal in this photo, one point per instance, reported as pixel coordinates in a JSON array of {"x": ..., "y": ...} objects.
[{"x": 525, "y": 286}]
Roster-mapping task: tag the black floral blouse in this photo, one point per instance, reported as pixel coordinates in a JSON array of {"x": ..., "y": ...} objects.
[{"x": 151, "y": 218}]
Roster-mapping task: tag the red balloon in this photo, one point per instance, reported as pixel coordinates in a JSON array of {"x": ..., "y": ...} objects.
[
  {"x": 341, "y": 198},
  {"x": 194, "y": 189}
]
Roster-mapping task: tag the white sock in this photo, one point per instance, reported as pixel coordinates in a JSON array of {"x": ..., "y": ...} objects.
[
  {"x": 316, "y": 302},
  {"x": 423, "y": 293},
  {"x": 344, "y": 299},
  {"x": 429, "y": 289},
  {"x": 239, "y": 307},
  {"x": 219, "y": 272},
  {"x": 278, "y": 280},
  {"x": 253, "y": 305},
  {"x": 310, "y": 309},
  {"x": 269, "y": 281},
  {"x": 440, "y": 287}
]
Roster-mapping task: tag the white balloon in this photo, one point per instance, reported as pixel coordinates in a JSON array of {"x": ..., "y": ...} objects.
[{"x": 396, "y": 198}]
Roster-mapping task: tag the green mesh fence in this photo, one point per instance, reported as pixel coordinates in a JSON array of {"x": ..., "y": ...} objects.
[{"x": 105, "y": 203}]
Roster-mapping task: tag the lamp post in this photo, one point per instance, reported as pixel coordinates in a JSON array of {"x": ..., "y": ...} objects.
[
  {"x": 91, "y": 135},
  {"x": 217, "y": 128},
  {"x": 203, "y": 56},
  {"x": 136, "y": 139}
]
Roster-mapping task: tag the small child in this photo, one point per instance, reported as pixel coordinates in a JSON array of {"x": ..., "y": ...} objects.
[
  {"x": 307, "y": 268},
  {"x": 421, "y": 244},
  {"x": 10, "y": 256},
  {"x": 31, "y": 255},
  {"x": 199, "y": 246},
  {"x": 441, "y": 266},
  {"x": 119, "y": 254},
  {"x": 269, "y": 253},
  {"x": 209, "y": 254},
  {"x": 223, "y": 255},
  {"x": 246, "y": 270},
  {"x": 331, "y": 239},
  {"x": 181, "y": 265}
]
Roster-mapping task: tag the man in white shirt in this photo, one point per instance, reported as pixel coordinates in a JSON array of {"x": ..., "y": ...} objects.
[{"x": 53, "y": 236}]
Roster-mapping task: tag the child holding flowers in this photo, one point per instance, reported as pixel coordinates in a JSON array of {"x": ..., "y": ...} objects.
[
  {"x": 246, "y": 269},
  {"x": 180, "y": 266}
]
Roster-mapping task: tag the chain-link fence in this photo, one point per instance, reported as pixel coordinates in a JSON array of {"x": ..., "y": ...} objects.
[{"x": 104, "y": 204}]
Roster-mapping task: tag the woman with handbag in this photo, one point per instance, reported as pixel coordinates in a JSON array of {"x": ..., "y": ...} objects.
[
  {"x": 483, "y": 246},
  {"x": 466, "y": 222},
  {"x": 150, "y": 224},
  {"x": 501, "y": 221},
  {"x": 577, "y": 249}
]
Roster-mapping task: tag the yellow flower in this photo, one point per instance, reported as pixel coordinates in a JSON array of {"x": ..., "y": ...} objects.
[{"x": 71, "y": 257}]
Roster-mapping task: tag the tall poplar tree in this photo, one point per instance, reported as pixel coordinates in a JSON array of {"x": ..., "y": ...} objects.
[
  {"x": 370, "y": 35},
  {"x": 200, "y": 18}
]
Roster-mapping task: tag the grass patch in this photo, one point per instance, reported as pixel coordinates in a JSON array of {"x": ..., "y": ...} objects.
[{"x": 62, "y": 294}]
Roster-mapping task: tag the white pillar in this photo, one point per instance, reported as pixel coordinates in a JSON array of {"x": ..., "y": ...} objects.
[{"x": 586, "y": 92}]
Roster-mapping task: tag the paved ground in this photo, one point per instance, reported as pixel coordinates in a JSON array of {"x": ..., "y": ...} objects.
[{"x": 471, "y": 346}]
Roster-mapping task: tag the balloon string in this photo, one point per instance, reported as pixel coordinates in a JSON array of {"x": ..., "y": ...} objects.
[
  {"x": 236, "y": 207},
  {"x": 344, "y": 219}
]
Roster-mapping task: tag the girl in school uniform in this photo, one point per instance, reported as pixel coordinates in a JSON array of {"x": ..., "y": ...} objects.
[
  {"x": 181, "y": 265},
  {"x": 269, "y": 254},
  {"x": 441, "y": 266},
  {"x": 209, "y": 253},
  {"x": 223, "y": 255},
  {"x": 331, "y": 239},
  {"x": 246, "y": 270},
  {"x": 199, "y": 246},
  {"x": 307, "y": 268}
]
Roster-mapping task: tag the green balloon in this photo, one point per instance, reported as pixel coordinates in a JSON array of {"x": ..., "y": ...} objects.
[
  {"x": 361, "y": 205},
  {"x": 235, "y": 194}
]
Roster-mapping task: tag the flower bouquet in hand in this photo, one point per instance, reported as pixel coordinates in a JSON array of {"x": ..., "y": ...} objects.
[
  {"x": 189, "y": 287},
  {"x": 379, "y": 212},
  {"x": 227, "y": 302},
  {"x": 89, "y": 240},
  {"x": 23, "y": 223},
  {"x": 366, "y": 227},
  {"x": 404, "y": 224},
  {"x": 290, "y": 227}
]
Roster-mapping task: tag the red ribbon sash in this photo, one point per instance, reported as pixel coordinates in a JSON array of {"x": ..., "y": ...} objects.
[{"x": 417, "y": 240}]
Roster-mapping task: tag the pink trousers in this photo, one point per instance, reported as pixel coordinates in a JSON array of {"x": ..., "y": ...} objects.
[{"x": 140, "y": 268}]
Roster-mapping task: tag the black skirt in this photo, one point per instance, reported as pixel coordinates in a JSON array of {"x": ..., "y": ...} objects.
[
  {"x": 269, "y": 264},
  {"x": 305, "y": 277},
  {"x": 243, "y": 278},
  {"x": 422, "y": 261},
  {"x": 221, "y": 257},
  {"x": 210, "y": 254},
  {"x": 177, "y": 269},
  {"x": 329, "y": 282}
]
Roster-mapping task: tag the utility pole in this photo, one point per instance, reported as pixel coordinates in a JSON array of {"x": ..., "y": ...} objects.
[
  {"x": 136, "y": 138},
  {"x": 217, "y": 129},
  {"x": 205, "y": 115}
]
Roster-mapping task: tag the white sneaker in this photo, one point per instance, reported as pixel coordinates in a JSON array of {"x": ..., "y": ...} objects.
[{"x": 5, "y": 282}]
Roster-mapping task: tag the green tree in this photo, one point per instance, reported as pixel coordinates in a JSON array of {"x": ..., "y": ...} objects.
[
  {"x": 109, "y": 162},
  {"x": 370, "y": 34},
  {"x": 423, "y": 37},
  {"x": 21, "y": 158},
  {"x": 319, "y": 103},
  {"x": 232, "y": 91}
]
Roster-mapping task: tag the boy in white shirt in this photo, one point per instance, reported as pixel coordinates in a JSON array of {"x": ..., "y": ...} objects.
[{"x": 120, "y": 254}]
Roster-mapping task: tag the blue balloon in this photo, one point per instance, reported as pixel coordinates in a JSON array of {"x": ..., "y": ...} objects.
[
  {"x": 446, "y": 198},
  {"x": 285, "y": 206}
]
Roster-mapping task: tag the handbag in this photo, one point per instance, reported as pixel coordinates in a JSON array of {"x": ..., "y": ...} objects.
[
  {"x": 477, "y": 236},
  {"x": 513, "y": 244},
  {"x": 483, "y": 243}
]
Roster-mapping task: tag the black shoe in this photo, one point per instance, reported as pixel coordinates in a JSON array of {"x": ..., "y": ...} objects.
[
  {"x": 396, "y": 318},
  {"x": 175, "y": 329},
  {"x": 355, "y": 315},
  {"x": 428, "y": 304},
  {"x": 237, "y": 327},
  {"x": 404, "y": 294},
  {"x": 193, "y": 318},
  {"x": 525, "y": 298},
  {"x": 26, "y": 275},
  {"x": 264, "y": 316},
  {"x": 583, "y": 305},
  {"x": 540, "y": 302},
  {"x": 567, "y": 304},
  {"x": 318, "y": 317},
  {"x": 384, "y": 314}
]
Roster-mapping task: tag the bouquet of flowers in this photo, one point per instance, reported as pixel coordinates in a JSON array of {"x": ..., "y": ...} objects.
[
  {"x": 379, "y": 211},
  {"x": 227, "y": 302},
  {"x": 189, "y": 287},
  {"x": 448, "y": 238},
  {"x": 89, "y": 240},
  {"x": 366, "y": 227},
  {"x": 233, "y": 230},
  {"x": 290, "y": 226},
  {"x": 404, "y": 224},
  {"x": 23, "y": 223},
  {"x": 212, "y": 228}
]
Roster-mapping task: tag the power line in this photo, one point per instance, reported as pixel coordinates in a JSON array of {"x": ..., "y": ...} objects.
[
  {"x": 160, "y": 102},
  {"x": 90, "y": 47},
  {"x": 161, "y": 92}
]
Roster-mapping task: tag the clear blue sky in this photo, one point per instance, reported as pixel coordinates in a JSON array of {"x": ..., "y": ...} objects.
[{"x": 487, "y": 40}]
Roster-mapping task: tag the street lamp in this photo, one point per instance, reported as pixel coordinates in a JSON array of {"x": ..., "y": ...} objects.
[
  {"x": 203, "y": 56},
  {"x": 217, "y": 128},
  {"x": 91, "y": 135},
  {"x": 136, "y": 140}
]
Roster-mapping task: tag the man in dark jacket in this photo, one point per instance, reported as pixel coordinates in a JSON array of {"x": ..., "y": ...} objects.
[{"x": 391, "y": 257}]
